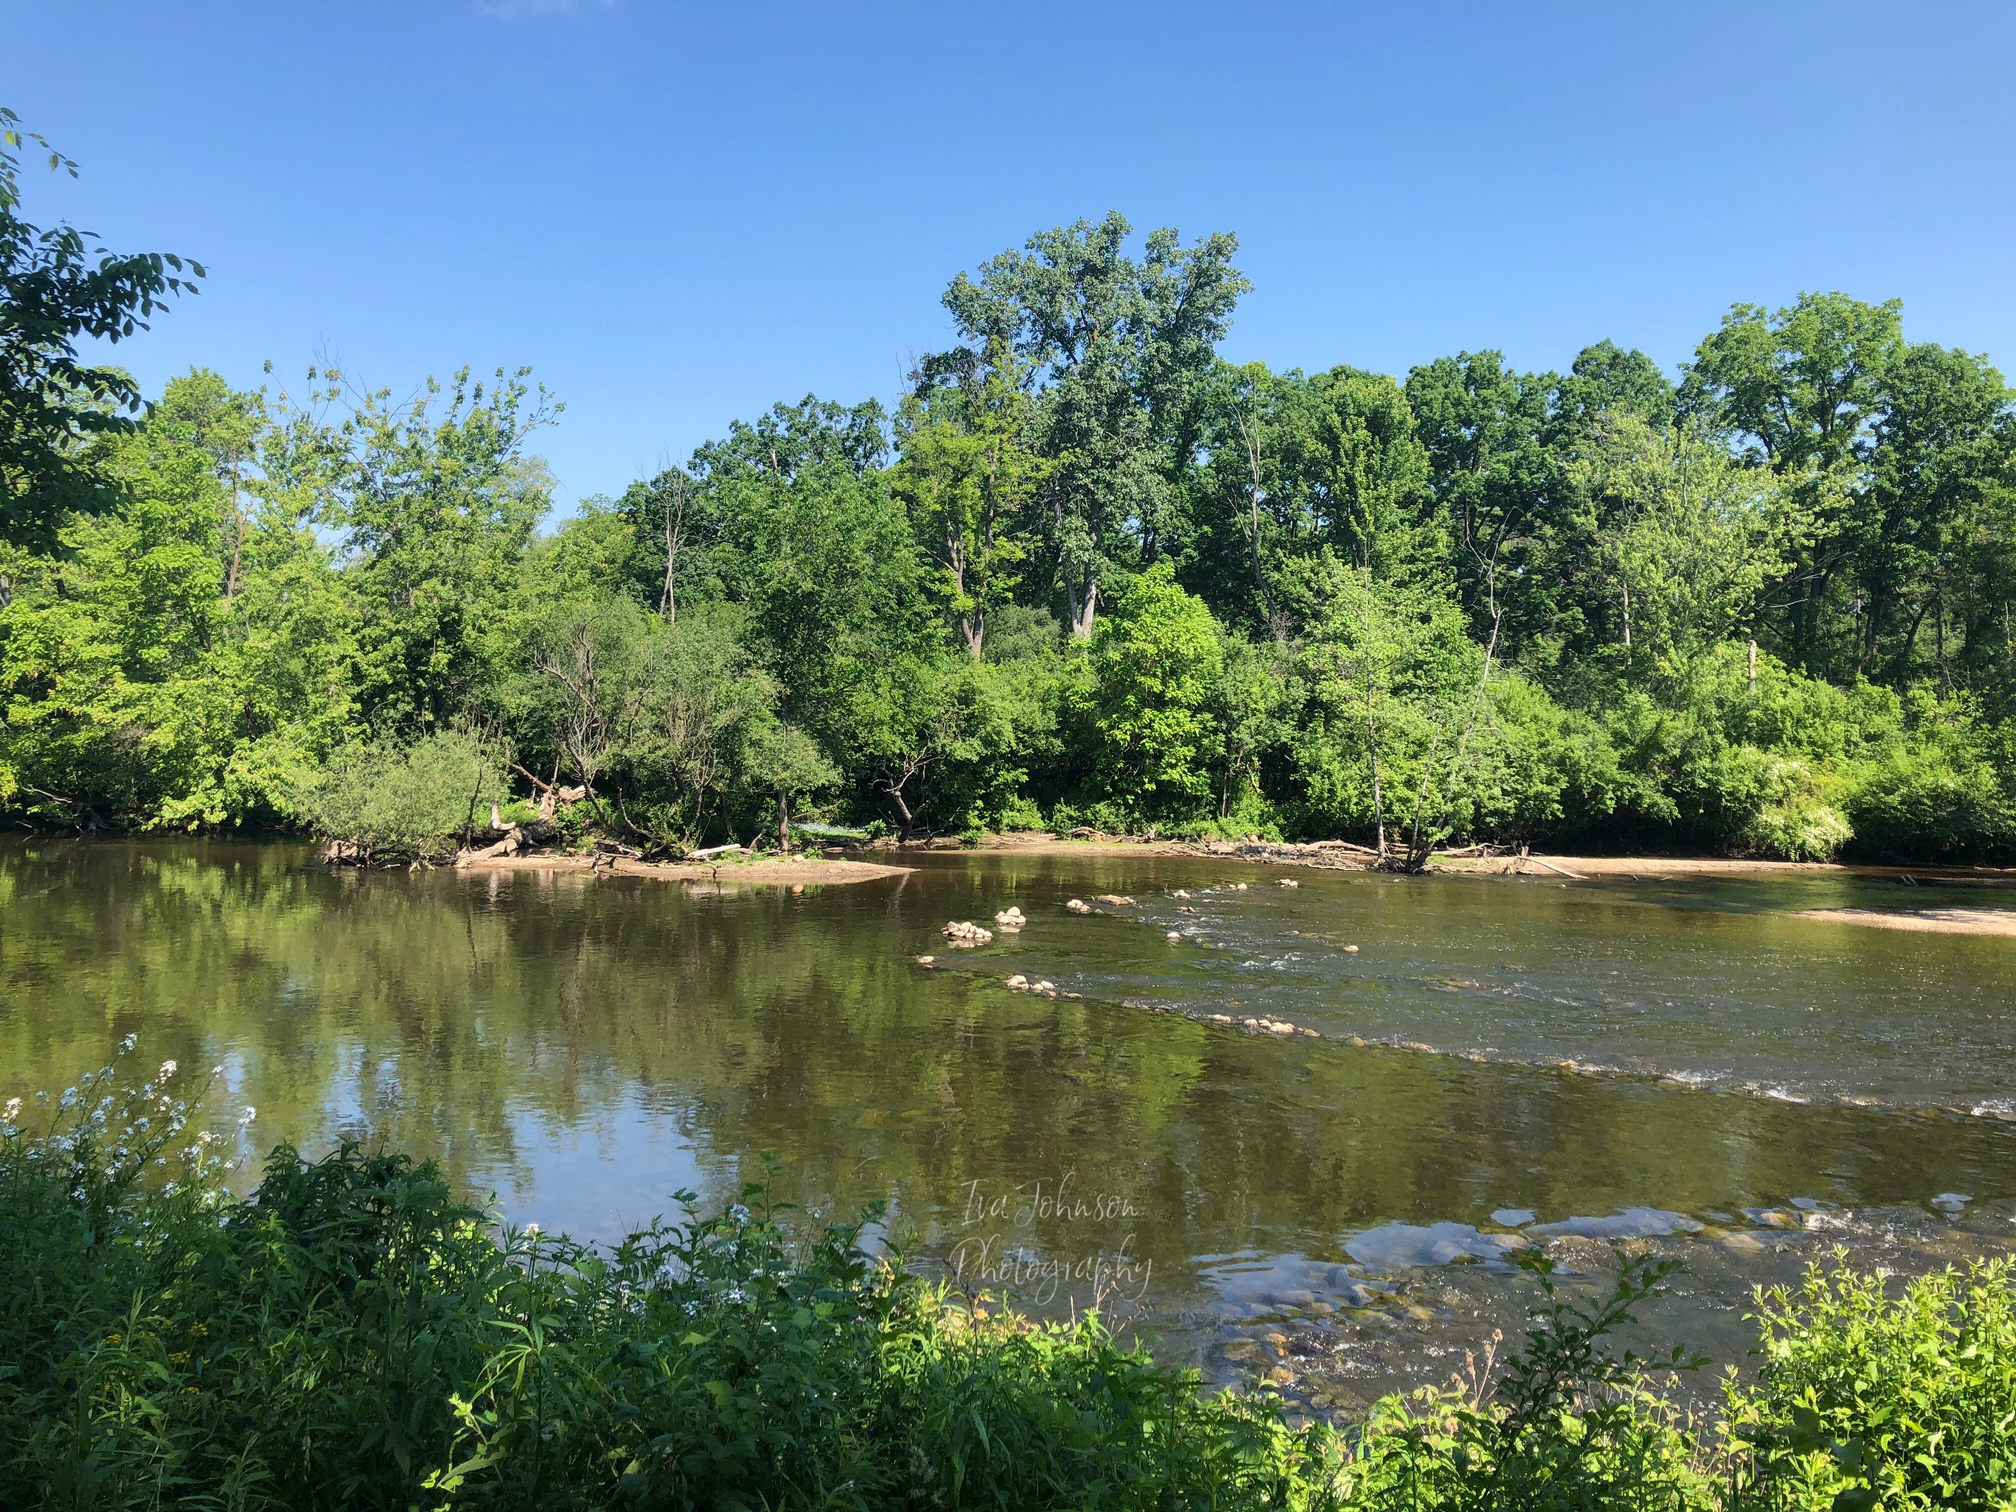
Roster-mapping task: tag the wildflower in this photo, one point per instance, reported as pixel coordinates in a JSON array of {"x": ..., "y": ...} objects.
[
  {"x": 128, "y": 1043},
  {"x": 247, "y": 1116},
  {"x": 167, "y": 1069},
  {"x": 13, "y": 1109}
]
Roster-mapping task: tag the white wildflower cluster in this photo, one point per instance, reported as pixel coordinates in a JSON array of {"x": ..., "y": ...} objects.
[{"x": 108, "y": 1135}]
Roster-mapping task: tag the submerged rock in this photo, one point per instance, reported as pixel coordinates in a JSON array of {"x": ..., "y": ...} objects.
[
  {"x": 1395, "y": 1246},
  {"x": 964, "y": 933},
  {"x": 1630, "y": 1223},
  {"x": 1078, "y": 906}
]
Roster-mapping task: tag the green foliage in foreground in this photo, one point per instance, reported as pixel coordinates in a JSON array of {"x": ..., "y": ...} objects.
[{"x": 352, "y": 1336}]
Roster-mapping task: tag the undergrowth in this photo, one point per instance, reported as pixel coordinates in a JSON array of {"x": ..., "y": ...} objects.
[{"x": 352, "y": 1336}]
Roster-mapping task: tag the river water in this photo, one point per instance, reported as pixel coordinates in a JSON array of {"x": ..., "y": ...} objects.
[{"x": 1682, "y": 1066}]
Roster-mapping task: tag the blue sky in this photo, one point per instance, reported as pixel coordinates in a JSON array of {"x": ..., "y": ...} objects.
[{"x": 677, "y": 214}]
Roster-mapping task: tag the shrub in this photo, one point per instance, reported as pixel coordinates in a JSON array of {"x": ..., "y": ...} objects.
[
  {"x": 1934, "y": 792},
  {"x": 1565, "y": 1426},
  {"x": 394, "y": 801},
  {"x": 1156, "y": 658},
  {"x": 1867, "y": 1398}
]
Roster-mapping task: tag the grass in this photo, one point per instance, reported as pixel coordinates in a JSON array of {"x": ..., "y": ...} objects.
[{"x": 352, "y": 1336}]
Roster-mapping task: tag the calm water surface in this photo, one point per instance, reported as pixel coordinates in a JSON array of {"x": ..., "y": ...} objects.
[{"x": 1747, "y": 1085}]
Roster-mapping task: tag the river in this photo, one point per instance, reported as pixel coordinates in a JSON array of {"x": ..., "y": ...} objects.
[{"x": 1685, "y": 1066}]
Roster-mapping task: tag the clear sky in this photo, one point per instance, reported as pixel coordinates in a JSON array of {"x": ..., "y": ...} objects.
[{"x": 677, "y": 214}]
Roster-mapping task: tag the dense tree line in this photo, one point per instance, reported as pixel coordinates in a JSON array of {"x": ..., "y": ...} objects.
[{"x": 1087, "y": 571}]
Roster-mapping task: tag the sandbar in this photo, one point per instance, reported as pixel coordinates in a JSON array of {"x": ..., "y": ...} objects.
[
  {"x": 774, "y": 871},
  {"x": 1967, "y": 921}
]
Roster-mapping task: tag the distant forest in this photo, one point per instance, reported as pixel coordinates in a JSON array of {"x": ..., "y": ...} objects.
[{"x": 1086, "y": 572}]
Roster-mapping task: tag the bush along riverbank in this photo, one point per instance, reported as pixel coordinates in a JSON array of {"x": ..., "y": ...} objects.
[{"x": 350, "y": 1335}]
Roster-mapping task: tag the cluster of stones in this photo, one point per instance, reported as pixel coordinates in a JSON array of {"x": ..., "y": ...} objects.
[
  {"x": 1020, "y": 983},
  {"x": 966, "y": 934},
  {"x": 1263, "y": 1025},
  {"x": 1010, "y": 919}
]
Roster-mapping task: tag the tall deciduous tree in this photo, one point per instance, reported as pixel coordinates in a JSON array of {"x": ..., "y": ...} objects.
[
  {"x": 435, "y": 507},
  {"x": 1119, "y": 349},
  {"x": 1800, "y": 388},
  {"x": 1295, "y": 465},
  {"x": 60, "y": 286},
  {"x": 968, "y": 477}
]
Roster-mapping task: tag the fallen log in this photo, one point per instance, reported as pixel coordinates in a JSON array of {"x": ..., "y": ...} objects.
[
  {"x": 508, "y": 846},
  {"x": 1559, "y": 871}
]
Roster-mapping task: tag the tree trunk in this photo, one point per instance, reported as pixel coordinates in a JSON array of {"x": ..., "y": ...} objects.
[
  {"x": 1378, "y": 803},
  {"x": 1084, "y": 607},
  {"x": 668, "y": 603},
  {"x": 783, "y": 822},
  {"x": 1252, "y": 436}
]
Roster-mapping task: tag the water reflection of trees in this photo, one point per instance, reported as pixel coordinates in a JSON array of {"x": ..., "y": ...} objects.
[{"x": 480, "y": 1019}]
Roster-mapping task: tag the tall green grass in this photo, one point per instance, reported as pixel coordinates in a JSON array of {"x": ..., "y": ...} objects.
[{"x": 352, "y": 1336}]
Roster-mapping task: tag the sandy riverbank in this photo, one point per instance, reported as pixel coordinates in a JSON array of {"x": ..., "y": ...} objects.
[
  {"x": 774, "y": 871},
  {"x": 1968, "y": 921},
  {"x": 1333, "y": 856}
]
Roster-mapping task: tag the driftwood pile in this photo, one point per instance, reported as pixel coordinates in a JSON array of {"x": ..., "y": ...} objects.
[{"x": 519, "y": 837}]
